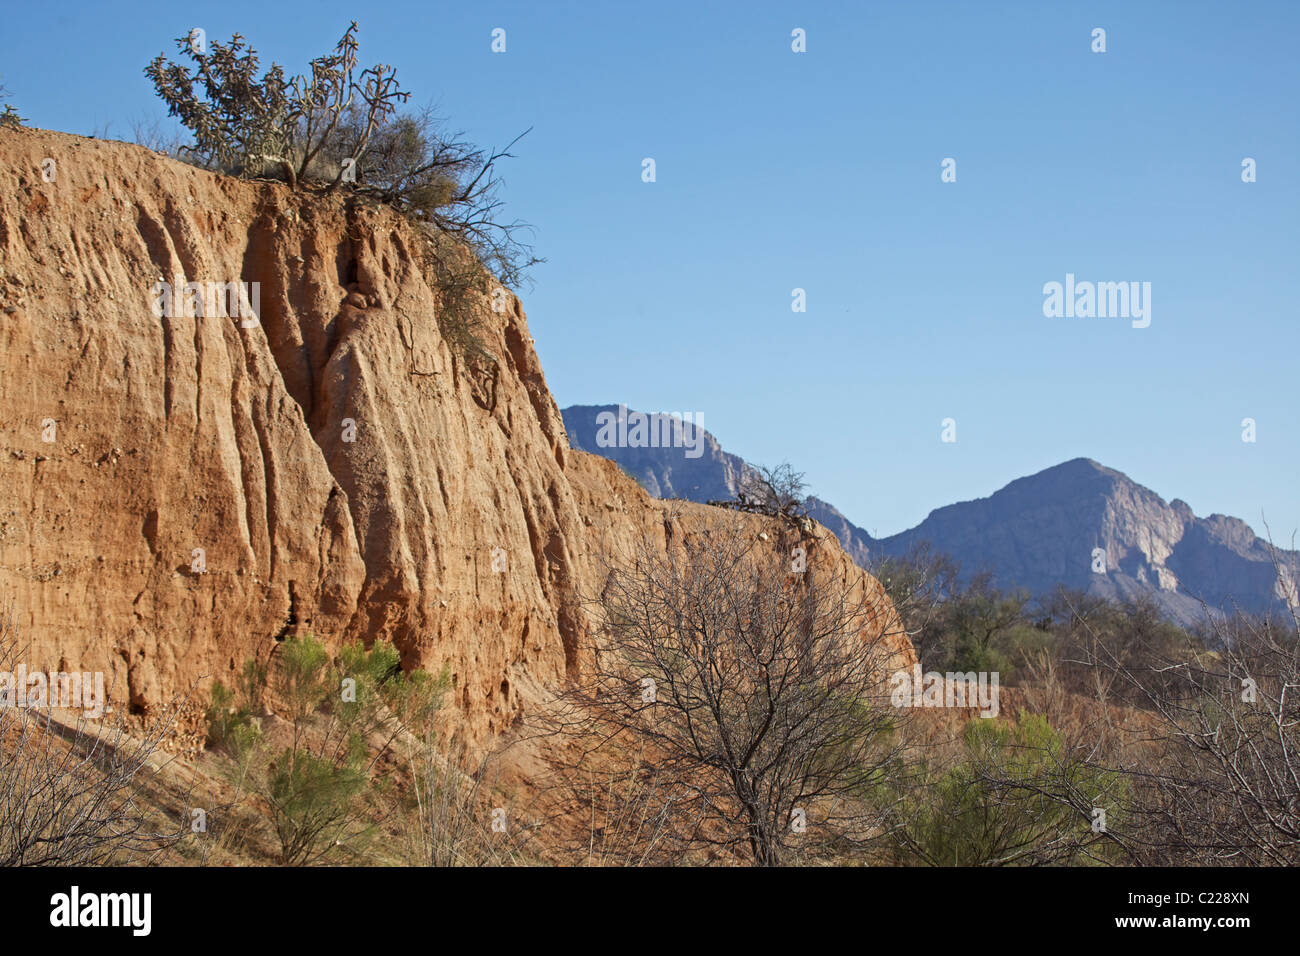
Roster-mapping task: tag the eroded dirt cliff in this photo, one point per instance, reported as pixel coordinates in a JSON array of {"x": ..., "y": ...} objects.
[{"x": 339, "y": 469}]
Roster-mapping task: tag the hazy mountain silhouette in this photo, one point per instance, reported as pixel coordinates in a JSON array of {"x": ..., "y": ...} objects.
[{"x": 1037, "y": 532}]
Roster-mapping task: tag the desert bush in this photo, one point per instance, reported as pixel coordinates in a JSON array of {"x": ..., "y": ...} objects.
[
  {"x": 338, "y": 126},
  {"x": 777, "y": 490},
  {"x": 343, "y": 715},
  {"x": 230, "y": 724},
  {"x": 457, "y": 799},
  {"x": 465, "y": 290},
  {"x": 984, "y": 626},
  {"x": 958, "y": 624},
  {"x": 9, "y": 118},
  {"x": 439, "y": 179},
  {"x": 1017, "y": 797}
]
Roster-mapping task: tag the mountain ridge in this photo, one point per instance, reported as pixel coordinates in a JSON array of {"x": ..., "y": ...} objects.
[{"x": 1053, "y": 528}]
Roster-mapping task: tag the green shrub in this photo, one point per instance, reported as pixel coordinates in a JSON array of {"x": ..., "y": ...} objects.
[
  {"x": 1018, "y": 797},
  {"x": 230, "y": 726},
  {"x": 314, "y": 787},
  {"x": 313, "y": 800}
]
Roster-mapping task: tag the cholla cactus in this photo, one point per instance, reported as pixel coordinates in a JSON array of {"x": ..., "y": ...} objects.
[
  {"x": 9, "y": 118},
  {"x": 275, "y": 125},
  {"x": 338, "y": 125}
]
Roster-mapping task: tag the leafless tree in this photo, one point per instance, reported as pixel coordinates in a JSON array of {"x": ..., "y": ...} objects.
[
  {"x": 71, "y": 796},
  {"x": 1214, "y": 759},
  {"x": 919, "y": 585},
  {"x": 747, "y": 692}
]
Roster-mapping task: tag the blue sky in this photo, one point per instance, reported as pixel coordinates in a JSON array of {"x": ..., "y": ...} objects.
[{"x": 821, "y": 171}]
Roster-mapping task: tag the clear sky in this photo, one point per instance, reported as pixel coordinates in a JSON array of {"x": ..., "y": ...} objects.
[{"x": 821, "y": 171}]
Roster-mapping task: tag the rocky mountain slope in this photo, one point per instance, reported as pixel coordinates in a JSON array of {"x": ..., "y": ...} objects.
[
  {"x": 1037, "y": 533},
  {"x": 1053, "y": 527},
  {"x": 178, "y": 492},
  {"x": 710, "y": 474}
]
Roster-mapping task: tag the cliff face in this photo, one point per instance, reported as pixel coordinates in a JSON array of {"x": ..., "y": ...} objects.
[{"x": 179, "y": 492}]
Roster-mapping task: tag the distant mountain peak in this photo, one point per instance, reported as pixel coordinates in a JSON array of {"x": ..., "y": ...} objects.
[{"x": 1037, "y": 532}]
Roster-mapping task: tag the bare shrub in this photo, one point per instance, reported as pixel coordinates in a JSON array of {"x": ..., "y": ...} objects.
[
  {"x": 778, "y": 490},
  {"x": 749, "y": 701},
  {"x": 461, "y": 815},
  {"x": 72, "y": 795},
  {"x": 1216, "y": 775}
]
